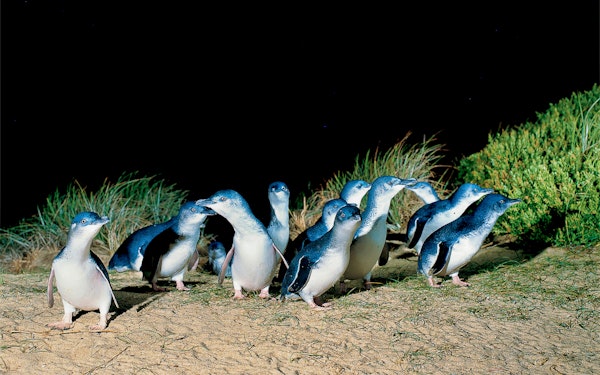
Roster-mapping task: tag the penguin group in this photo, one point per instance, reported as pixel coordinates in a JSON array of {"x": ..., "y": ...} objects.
[{"x": 345, "y": 243}]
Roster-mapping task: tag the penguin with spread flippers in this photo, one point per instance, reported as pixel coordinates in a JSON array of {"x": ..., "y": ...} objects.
[
  {"x": 319, "y": 264},
  {"x": 452, "y": 246},
  {"x": 253, "y": 256},
  {"x": 82, "y": 280},
  {"x": 168, "y": 254},
  {"x": 435, "y": 215}
]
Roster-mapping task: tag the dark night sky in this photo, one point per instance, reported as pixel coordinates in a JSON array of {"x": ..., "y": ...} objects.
[{"x": 240, "y": 97}]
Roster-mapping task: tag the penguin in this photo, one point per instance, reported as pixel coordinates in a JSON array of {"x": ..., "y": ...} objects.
[
  {"x": 279, "y": 224},
  {"x": 452, "y": 246},
  {"x": 427, "y": 194},
  {"x": 424, "y": 191},
  {"x": 216, "y": 257},
  {"x": 168, "y": 254},
  {"x": 81, "y": 278},
  {"x": 130, "y": 253},
  {"x": 370, "y": 237},
  {"x": 433, "y": 216},
  {"x": 325, "y": 222},
  {"x": 253, "y": 256},
  {"x": 318, "y": 265},
  {"x": 319, "y": 228},
  {"x": 354, "y": 191}
]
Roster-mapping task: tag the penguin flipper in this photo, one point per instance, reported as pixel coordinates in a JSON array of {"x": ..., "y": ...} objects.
[
  {"x": 385, "y": 256},
  {"x": 51, "y": 288},
  {"x": 225, "y": 265},
  {"x": 102, "y": 269},
  {"x": 194, "y": 260},
  {"x": 302, "y": 275},
  {"x": 419, "y": 225},
  {"x": 443, "y": 255},
  {"x": 281, "y": 255},
  {"x": 109, "y": 286},
  {"x": 156, "y": 248}
]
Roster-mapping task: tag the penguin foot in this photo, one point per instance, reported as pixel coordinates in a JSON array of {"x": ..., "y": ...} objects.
[
  {"x": 264, "y": 293},
  {"x": 181, "y": 285},
  {"x": 100, "y": 326},
  {"x": 343, "y": 287},
  {"x": 457, "y": 281},
  {"x": 238, "y": 294},
  {"x": 432, "y": 283},
  {"x": 157, "y": 288}
]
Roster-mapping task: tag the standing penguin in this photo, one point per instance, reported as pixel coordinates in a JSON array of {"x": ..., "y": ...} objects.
[
  {"x": 81, "y": 278},
  {"x": 253, "y": 256},
  {"x": 319, "y": 264},
  {"x": 452, "y": 246},
  {"x": 352, "y": 192},
  {"x": 216, "y": 256},
  {"x": 168, "y": 254},
  {"x": 130, "y": 253},
  {"x": 319, "y": 228},
  {"x": 370, "y": 237},
  {"x": 435, "y": 215},
  {"x": 279, "y": 224}
]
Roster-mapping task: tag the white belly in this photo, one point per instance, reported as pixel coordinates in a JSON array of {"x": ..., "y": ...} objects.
[
  {"x": 254, "y": 261},
  {"x": 82, "y": 285}
]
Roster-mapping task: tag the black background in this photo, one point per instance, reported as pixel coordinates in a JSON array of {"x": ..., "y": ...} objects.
[{"x": 239, "y": 97}]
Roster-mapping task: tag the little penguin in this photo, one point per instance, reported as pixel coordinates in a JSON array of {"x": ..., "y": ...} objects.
[
  {"x": 452, "y": 246},
  {"x": 279, "y": 224},
  {"x": 81, "y": 278},
  {"x": 168, "y": 254},
  {"x": 314, "y": 232},
  {"x": 370, "y": 237},
  {"x": 354, "y": 191},
  {"x": 424, "y": 191},
  {"x": 130, "y": 253},
  {"x": 433, "y": 216},
  {"x": 253, "y": 256},
  {"x": 319, "y": 264},
  {"x": 427, "y": 194},
  {"x": 216, "y": 257}
]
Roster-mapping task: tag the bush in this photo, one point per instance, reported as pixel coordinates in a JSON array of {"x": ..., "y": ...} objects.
[{"x": 553, "y": 165}]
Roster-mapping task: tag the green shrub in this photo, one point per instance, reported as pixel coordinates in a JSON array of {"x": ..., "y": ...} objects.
[{"x": 553, "y": 165}]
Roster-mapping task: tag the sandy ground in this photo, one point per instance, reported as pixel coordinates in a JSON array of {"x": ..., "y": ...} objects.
[{"x": 396, "y": 327}]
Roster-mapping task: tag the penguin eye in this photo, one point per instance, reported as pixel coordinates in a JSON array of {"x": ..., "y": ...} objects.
[
  {"x": 222, "y": 199},
  {"x": 194, "y": 209},
  {"x": 83, "y": 221}
]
